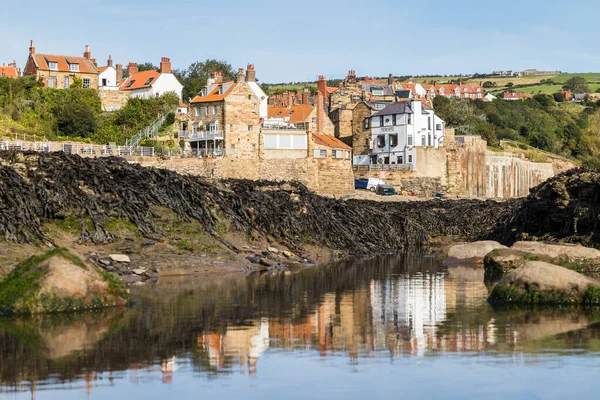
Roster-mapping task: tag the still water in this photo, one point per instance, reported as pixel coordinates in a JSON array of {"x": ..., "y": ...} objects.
[{"x": 402, "y": 326}]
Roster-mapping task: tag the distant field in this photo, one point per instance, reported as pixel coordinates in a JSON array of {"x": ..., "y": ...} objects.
[
  {"x": 291, "y": 87},
  {"x": 589, "y": 76}
]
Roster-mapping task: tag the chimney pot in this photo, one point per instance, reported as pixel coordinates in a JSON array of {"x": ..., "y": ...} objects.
[{"x": 87, "y": 54}]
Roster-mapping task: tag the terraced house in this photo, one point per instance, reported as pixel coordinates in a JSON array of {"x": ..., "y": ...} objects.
[{"x": 59, "y": 71}]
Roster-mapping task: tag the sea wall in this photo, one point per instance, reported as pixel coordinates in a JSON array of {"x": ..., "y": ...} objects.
[{"x": 510, "y": 176}]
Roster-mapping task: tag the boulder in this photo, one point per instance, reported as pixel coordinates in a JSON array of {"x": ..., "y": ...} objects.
[
  {"x": 500, "y": 261},
  {"x": 288, "y": 254},
  {"x": 265, "y": 262},
  {"x": 558, "y": 251},
  {"x": 472, "y": 252},
  {"x": 272, "y": 250},
  {"x": 57, "y": 282},
  {"x": 541, "y": 283},
  {"x": 120, "y": 258}
]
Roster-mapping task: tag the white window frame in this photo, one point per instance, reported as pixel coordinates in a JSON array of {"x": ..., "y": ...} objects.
[
  {"x": 67, "y": 84},
  {"x": 74, "y": 67},
  {"x": 53, "y": 66},
  {"x": 87, "y": 83},
  {"x": 320, "y": 153}
]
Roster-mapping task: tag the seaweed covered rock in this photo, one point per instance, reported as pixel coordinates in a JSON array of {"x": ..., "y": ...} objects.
[
  {"x": 59, "y": 282},
  {"x": 565, "y": 207},
  {"x": 541, "y": 283},
  {"x": 472, "y": 252},
  {"x": 500, "y": 261}
]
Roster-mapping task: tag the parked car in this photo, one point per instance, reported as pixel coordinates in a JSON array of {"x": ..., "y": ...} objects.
[
  {"x": 368, "y": 183},
  {"x": 385, "y": 190}
]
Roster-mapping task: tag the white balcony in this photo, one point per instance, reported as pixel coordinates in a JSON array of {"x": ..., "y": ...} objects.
[{"x": 206, "y": 135}]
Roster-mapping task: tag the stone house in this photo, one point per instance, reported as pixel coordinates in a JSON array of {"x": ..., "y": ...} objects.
[
  {"x": 58, "y": 71},
  {"x": 147, "y": 84},
  {"x": 402, "y": 127},
  {"x": 287, "y": 99},
  {"x": 301, "y": 115},
  {"x": 225, "y": 118}
]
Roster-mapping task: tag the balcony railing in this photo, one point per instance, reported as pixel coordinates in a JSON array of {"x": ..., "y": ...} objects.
[
  {"x": 206, "y": 135},
  {"x": 83, "y": 149},
  {"x": 183, "y": 134},
  {"x": 208, "y": 153},
  {"x": 382, "y": 167},
  {"x": 275, "y": 125}
]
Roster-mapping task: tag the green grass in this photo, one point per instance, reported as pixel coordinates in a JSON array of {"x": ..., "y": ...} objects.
[{"x": 589, "y": 76}]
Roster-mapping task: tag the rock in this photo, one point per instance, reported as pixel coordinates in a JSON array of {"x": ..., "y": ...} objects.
[
  {"x": 500, "y": 261},
  {"x": 472, "y": 252},
  {"x": 265, "y": 262},
  {"x": 539, "y": 283},
  {"x": 288, "y": 254},
  {"x": 139, "y": 271},
  {"x": 57, "y": 282},
  {"x": 558, "y": 251},
  {"x": 120, "y": 258},
  {"x": 254, "y": 259},
  {"x": 148, "y": 242},
  {"x": 272, "y": 250},
  {"x": 105, "y": 261}
]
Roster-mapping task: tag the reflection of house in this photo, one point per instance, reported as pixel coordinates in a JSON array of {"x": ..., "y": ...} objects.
[
  {"x": 401, "y": 127},
  {"x": 59, "y": 72},
  {"x": 152, "y": 83}
]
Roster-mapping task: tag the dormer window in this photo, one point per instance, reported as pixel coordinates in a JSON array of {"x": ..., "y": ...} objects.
[
  {"x": 53, "y": 66},
  {"x": 148, "y": 81},
  {"x": 203, "y": 92},
  {"x": 220, "y": 90},
  {"x": 130, "y": 83},
  {"x": 279, "y": 113},
  {"x": 74, "y": 67},
  {"x": 292, "y": 112}
]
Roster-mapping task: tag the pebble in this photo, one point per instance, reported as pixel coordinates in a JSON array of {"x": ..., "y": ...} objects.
[
  {"x": 272, "y": 250},
  {"x": 120, "y": 258},
  {"x": 265, "y": 262},
  {"x": 139, "y": 271},
  {"x": 105, "y": 261},
  {"x": 288, "y": 254}
]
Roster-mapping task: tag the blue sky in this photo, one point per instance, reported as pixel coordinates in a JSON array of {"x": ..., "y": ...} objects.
[{"x": 296, "y": 41}]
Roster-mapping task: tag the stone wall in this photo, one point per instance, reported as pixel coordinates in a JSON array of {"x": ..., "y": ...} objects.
[
  {"x": 243, "y": 120},
  {"x": 510, "y": 176},
  {"x": 361, "y": 137},
  {"x": 113, "y": 99}
]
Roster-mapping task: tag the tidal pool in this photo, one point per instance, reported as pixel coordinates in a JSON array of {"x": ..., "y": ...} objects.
[{"x": 394, "y": 326}]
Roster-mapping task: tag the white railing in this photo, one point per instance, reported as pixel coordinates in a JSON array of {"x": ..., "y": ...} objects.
[
  {"x": 208, "y": 153},
  {"x": 83, "y": 149},
  {"x": 382, "y": 167},
  {"x": 206, "y": 135},
  {"x": 183, "y": 134}
]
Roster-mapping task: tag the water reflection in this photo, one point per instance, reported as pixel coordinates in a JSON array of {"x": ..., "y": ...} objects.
[{"x": 387, "y": 307}]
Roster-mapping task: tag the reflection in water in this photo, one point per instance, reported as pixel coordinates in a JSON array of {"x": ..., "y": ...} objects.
[{"x": 390, "y": 307}]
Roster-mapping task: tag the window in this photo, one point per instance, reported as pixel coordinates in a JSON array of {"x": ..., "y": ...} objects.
[
  {"x": 149, "y": 81},
  {"x": 203, "y": 92},
  {"x": 249, "y": 97},
  {"x": 381, "y": 120},
  {"x": 221, "y": 89},
  {"x": 320, "y": 153},
  {"x": 423, "y": 141},
  {"x": 337, "y": 153},
  {"x": 250, "y": 128},
  {"x": 214, "y": 109},
  {"x": 377, "y": 92},
  {"x": 429, "y": 123},
  {"x": 87, "y": 83},
  {"x": 399, "y": 160},
  {"x": 297, "y": 142},
  {"x": 409, "y": 119},
  {"x": 291, "y": 113},
  {"x": 230, "y": 127},
  {"x": 130, "y": 83},
  {"x": 233, "y": 147},
  {"x": 285, "y": 141},
  {"x": 367, "y": 122},
  {"x": 409, "y": 140},
  {"x": 278, "y": 114},
  {"x": 53, "y": 66},
  {"x": 74, "y": 67},
  {"x": 429, "y": 140},
  {"x": 348, "y": 154},
  {"x": 438, "y": 127},
  {"x": 66, "y": 82},
  {"x": 393, "y": 140},
  {"x": 270, "y": 141},
  {"x": 198, "y": 111},
  {"x": 410, "y": 158},
  {"x": 394, "y": 119},
  {"x": 380, "y": 140},
  {"x": 52, "y": 82},
  {"x": 104, "y": 82}
]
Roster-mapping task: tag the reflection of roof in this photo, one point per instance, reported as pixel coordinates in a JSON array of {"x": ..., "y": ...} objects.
[
  {"x": 8, "y": 72},
  {"x": 329, "y": 141},
  {"x": 62, "y": 62},
  {"x": 140, "y": 80},
  {"x": 297, "y": 113},
  {"x": 214, "y": 93}
]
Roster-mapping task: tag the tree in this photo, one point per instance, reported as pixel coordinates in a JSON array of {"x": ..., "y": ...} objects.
[
  {"x": 147, "y": 66},
  {"x": 489, "y": 84},
  {"x": 576, "y": 84},
  {"x": 559, "y": 97},
  {"x": 76, "y": 112}
]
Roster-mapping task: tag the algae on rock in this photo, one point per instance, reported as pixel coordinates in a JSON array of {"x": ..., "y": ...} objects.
[{"x": 58, "y": 281}]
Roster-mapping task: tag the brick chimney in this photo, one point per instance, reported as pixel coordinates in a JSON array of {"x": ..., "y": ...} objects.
[
  {"x": 390, "y": 79},
  {"x": 119, "y": 69},
  {"x": 218, "y": 77},
  {"x": 299, "y": 96},
  {"x": 306, "y": 96},
  {"x": 320, "y": 114},
  {"x": 31, "y": 47},
  {"x": 241, "y": 77},
  {"x": 87, "y": 54},
  {"x": 290, "y": 99},
  {"x": 109, "y": 62},
  {"x": 250, "y": 73},
  {"x": 165, "y": 65},
  {"x": 322, "y": 86},
  {"x": 132, "y": 68}
]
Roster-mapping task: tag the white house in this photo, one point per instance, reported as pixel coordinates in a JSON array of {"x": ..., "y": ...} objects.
[
  {"x": 153, "y": 83},
  {"x": 107, "y": 76},
  {"x": 400, "y": 128}
]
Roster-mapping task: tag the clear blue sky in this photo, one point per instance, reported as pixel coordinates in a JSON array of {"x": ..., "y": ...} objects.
[{"x": 296, "y": 41}]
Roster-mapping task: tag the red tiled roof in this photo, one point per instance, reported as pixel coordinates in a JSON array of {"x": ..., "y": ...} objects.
[
  {"x": 102, "y": 69},
  {"x": 8, "y": 72},
  {"x": 329, "y": 141},
  {"x": 297, "y": 113},
  {"x": 182, "y": 104},
  {"x": 331, "y": 89},
  {"x": 214, "y": 95},
  {"x": 140, "y": 80},
  {"x": 85, "y": 65},
  {"x": 513, "y": 95}
]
